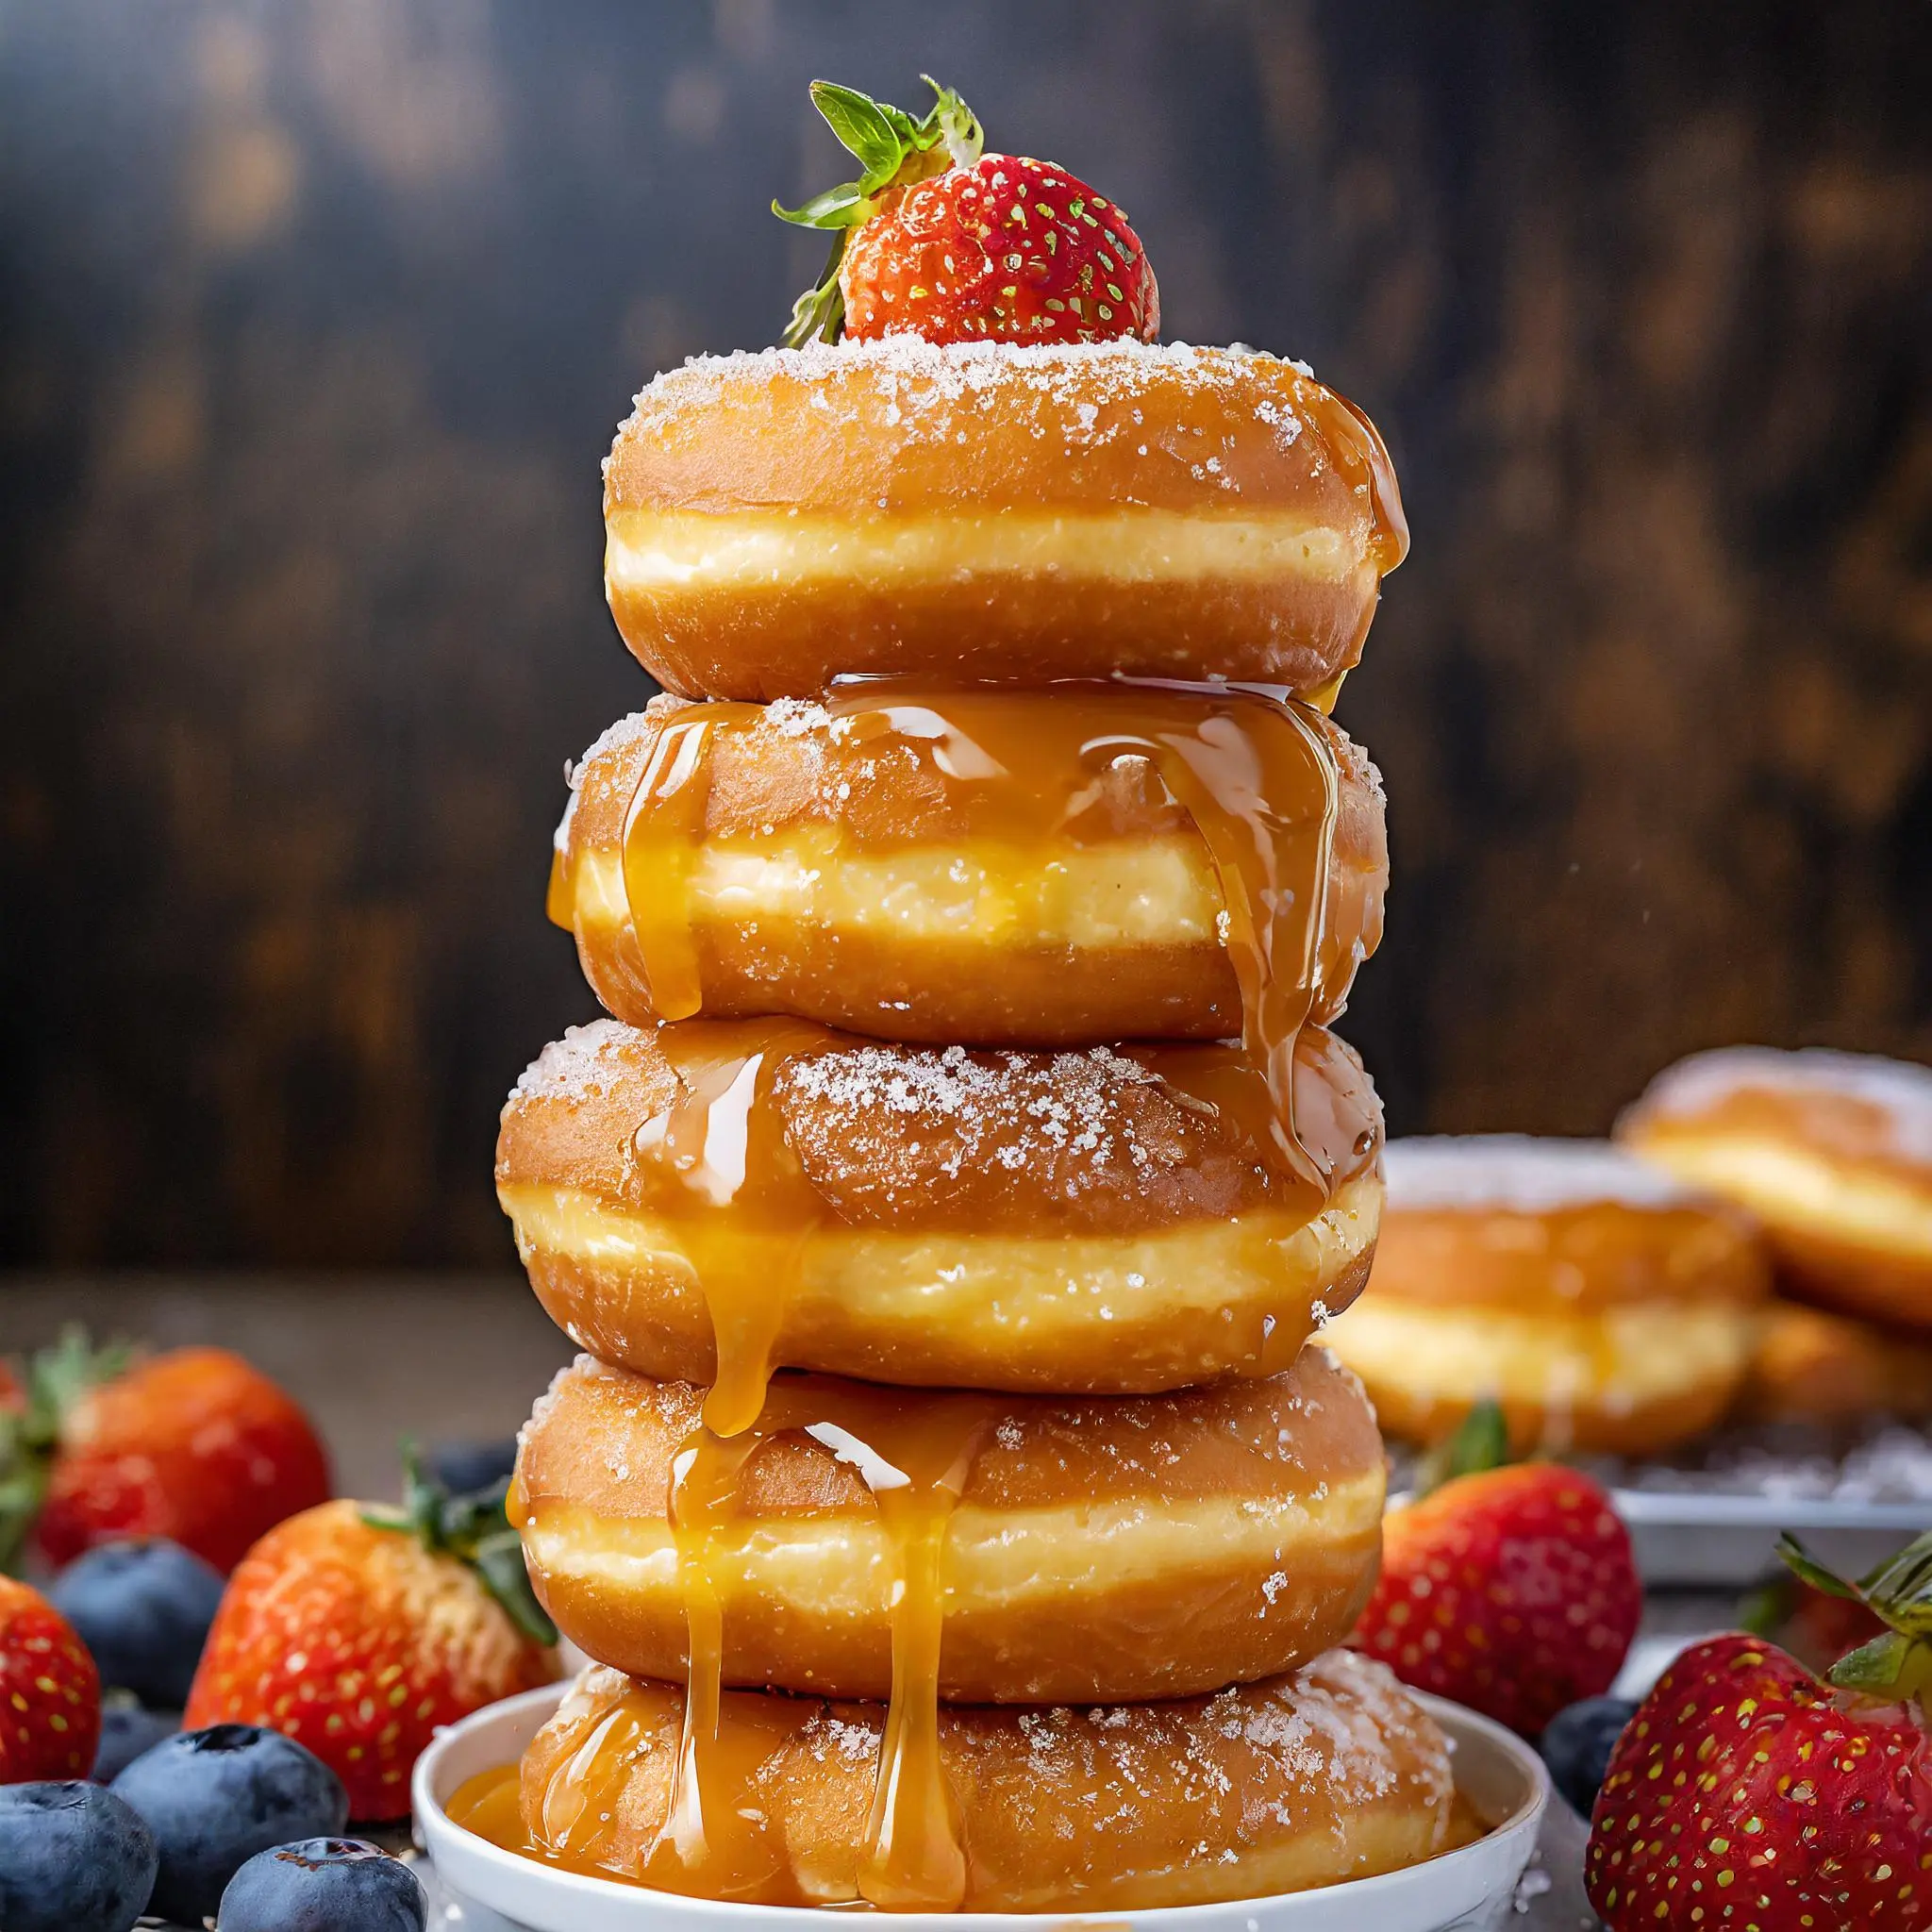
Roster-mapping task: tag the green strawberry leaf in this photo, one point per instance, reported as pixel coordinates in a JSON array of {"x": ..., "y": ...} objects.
[
  {"x": 51, "y": 1383},
  {"x": 863, "y": 128},
  {"x": 499, "y": 1560},
  {"x": 894, "y": 150},
  {"x": 1900, "y": 1588},
  {"x": 1899, "y": 1663},
  {"x": 473, "y": 1529},
  {"x": 1481, "y": 1442},
  {"x": 1880, "y": 1666},
  {"x": 843, "y": 206}
]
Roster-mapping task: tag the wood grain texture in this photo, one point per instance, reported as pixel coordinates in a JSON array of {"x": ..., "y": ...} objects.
[{"x": 314, "y": 322}]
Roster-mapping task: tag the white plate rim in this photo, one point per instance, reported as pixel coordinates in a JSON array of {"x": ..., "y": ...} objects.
[{"x": 1499, "y": 1847}]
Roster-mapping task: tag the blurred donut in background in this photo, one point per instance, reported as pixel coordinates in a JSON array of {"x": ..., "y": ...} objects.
[
  {"x": 1605, "y": 1305},
  {"x": 1831, "y": 1152},
  {"x": 1812, "y": 1367}
]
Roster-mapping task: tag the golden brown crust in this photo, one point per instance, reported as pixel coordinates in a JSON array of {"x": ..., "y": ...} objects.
[
  {"x": 980, "y": 512},
  {"x": 1812, "y": 1367},
  {"x": 1333, "y": 1772},
  {"x": 1021, "y": 985},
  {"x": 1101, "y": 1549},
  {"x": 1568, "y": 1261},
  {"x": 908, "y": 1139},
  {"x": 1584, "y": 1426},
  {"x": 1101, "y": 1222},
  {"x": 1526, "y": 1224}
]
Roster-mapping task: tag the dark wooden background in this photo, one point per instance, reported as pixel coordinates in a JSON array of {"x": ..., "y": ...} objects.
[{"x": 315, "y": 320}]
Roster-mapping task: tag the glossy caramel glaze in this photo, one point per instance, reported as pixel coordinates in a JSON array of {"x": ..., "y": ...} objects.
[
  {"x": 1101, "y": 1549},
  {"x": 709, "y": 1199},
  {"x": 1119, "y": 1808},
  {"x": 1010, "y": 867},
  {"x": 981, "y": 511}
]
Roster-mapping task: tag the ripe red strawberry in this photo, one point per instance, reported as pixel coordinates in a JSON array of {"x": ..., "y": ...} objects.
[
  {"x": 358, "y": 1631},
  {"x": 50, "y": 1692},
  {"x": 1745, "y": 1791},
  {"x": 938, "y": 241},
  {"x": 194, "y": 1445},
  {"x": 1512, "y": 1591}
]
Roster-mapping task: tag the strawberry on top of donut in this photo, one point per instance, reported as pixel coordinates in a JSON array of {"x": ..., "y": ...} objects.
[{"x": 938, "y": 239}]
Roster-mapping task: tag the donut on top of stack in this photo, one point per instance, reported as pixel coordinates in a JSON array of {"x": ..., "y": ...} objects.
[
  {"x": 1002, "y": 640},
  {"x": 1603, "y": 1305}
]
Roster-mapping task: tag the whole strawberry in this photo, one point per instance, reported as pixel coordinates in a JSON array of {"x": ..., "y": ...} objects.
[
  {"x": 358, "y": 1631},
  {"x": 1745, "y": 1791},
  {"x": 1512, "y": 1591},
  {"x": 936, "y": 239},
  {"x": 50, "y": 1692},
  {"x": 193, "y": 1445}
]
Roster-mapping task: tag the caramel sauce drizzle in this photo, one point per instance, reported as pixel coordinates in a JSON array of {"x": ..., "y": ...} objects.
[
  {"x": 915, "y": 1451},
  {"x": 1253, "y": 770},
  {"x": 1248, "y": 763}
]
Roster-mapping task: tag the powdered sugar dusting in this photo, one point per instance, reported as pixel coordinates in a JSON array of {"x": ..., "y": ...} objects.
[
  {"x": 1523, "y": 1174},
  {"x": 1900, "y": 1088},
  {"x": 576, "y": 1068},
  {"x": 1012, "y": 1110},
  {"x": 910, "y": 378}
]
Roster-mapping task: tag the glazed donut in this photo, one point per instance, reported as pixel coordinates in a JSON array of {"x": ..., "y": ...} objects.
[
  {"x": 1831, "y": 1152},
  {"x": 1605, "y": 1307},
  {"x": 1808, "y": 1366},
  {"x": 991, "y": 511},
  {"x": 1330, "y": 1774},
  {"x": 714, "y": 1197},
  {"x": 979, "y": 866},
  {"x": 1129, "y": 1547}
]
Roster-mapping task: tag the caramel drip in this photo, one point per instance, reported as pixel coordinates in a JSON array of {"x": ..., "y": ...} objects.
[
  {"x": 1249, "y": 764},
  {"x": 1362, "y": 457},
  {"x": 724, "y": 1141},
  {"x": 915, "y": 1452}
]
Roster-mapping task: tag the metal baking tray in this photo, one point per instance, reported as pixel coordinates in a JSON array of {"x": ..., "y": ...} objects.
[{"x": 1711, "y": 1518}]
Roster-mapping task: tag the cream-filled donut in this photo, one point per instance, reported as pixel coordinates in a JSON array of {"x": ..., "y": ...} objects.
[
  {"x": 706, "y": 1201},
  {"x": 1103, "y": 1548},
  {"x": 1009, "y": 868},
  {"x": 1331, "y": 1773},
  {"x": 1602, "y": 1303},
  {"x": 992, "y": 511}
]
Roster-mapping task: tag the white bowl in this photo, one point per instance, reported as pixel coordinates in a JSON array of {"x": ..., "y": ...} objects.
[{"x": 496, "y": 1891}]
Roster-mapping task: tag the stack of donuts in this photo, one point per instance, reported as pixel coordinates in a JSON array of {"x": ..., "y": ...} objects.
[{"x": 947, "y": 1498}]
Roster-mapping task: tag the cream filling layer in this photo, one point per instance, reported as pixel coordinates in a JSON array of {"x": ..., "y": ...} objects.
[
  {"x": 1620, "y": 1360},
  {"x": 1786, "y": 1188},
  {"x": 1155, "y": 891},
  {"x": 770, "y": 550},
  {"x": 988, "y": 1287},
  {"x": 995, "y": 1562}
]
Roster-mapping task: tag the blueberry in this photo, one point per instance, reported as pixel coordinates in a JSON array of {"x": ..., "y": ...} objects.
[
  {"x": 127, "y": 1731},
  {"x": 72, "y": 1858},
  {"x": 143, "y": 1608},
  {"x": 322, "y": 1885},
  {"x": 1577, "y": 1743},
  {"x": 462, "y": 1466},
  {"x": 214, "y": 1798}
]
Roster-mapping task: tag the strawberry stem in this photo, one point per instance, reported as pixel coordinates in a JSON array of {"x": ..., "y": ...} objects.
[
  {"x": 1480, "y": 1442},
  {"x": 473, "y": 1529},
  {"x": 1898, "y": 1592},
  {"x": 893, "y": 151},
  {"x": 51, "y": 1383}
]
